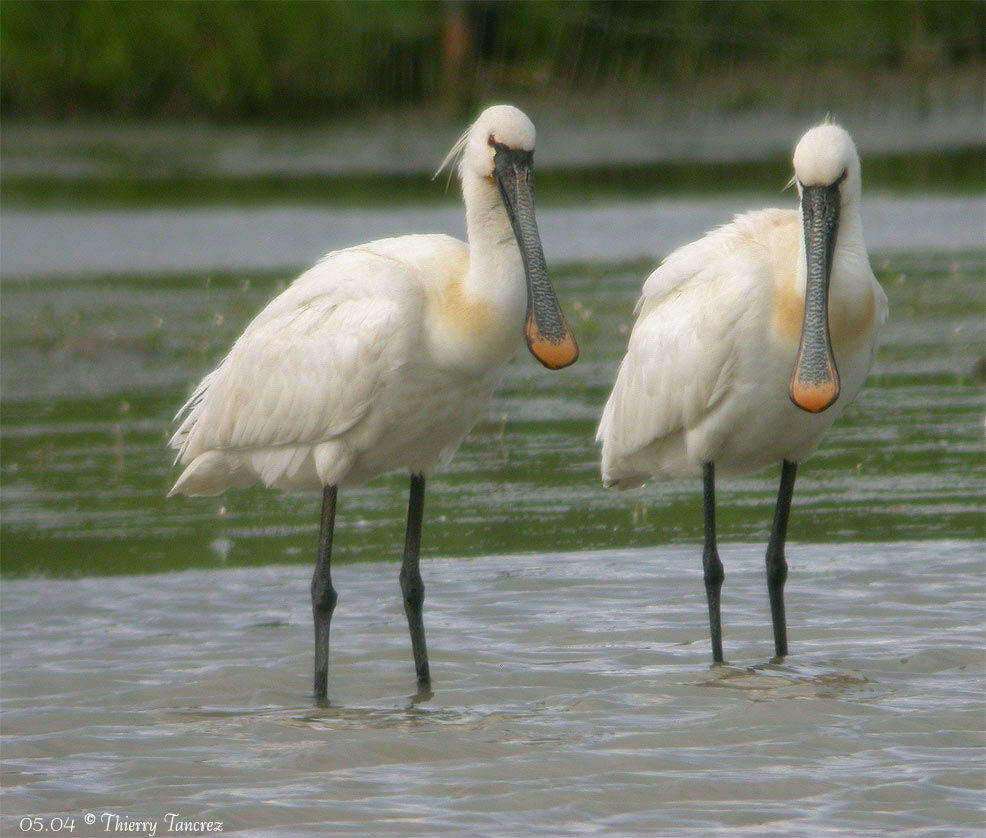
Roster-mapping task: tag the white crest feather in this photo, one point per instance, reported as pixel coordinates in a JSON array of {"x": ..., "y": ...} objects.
[{"x": 451, "y": 160}]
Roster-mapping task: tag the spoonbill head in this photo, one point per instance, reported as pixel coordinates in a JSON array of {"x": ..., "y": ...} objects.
[
  {"x": 748, "y": 344},
  {"x": 826, "y": 169},
  {"x": 381, "y": 357},
  {"x": 499, "y": 149}
]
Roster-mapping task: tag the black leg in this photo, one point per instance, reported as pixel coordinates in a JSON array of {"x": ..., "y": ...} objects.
[
  {"x": 323, "y": 594},
  {"x": 412, "y": 587},
  {"x": 710, "y": 559},
  {"x": 776, "y": 563}
]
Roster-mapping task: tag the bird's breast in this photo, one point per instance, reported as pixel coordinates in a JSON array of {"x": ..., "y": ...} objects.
[
  {"x": 851, "y": 317},
  {"x": 469, "y": 333}
]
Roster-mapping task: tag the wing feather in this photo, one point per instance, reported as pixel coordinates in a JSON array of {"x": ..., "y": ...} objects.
[
  {"x": 307, "y": 368},
  {"x": 681, "y": 356}
]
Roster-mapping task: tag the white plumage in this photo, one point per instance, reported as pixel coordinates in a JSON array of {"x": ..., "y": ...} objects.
[
  {"x": 706, "y": 374},
  {"x": 336, "y": 381},
  {"x": 749, "y": 343},
  {"x": 380, "y": 357}
]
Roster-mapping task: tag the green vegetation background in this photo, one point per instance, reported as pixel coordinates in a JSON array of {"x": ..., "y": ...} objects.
[{"x": 298, "y": 61}]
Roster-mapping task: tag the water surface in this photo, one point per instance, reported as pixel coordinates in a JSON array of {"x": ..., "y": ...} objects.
[
  {"x": 572, "y": 694},
  {"x": 284, "y": 238}
]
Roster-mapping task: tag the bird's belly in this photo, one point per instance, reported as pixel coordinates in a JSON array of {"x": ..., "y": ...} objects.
[
  {"x": 760, "y": 425},
  {"x": 418, "y": 423},
  {"x": 414, "y": 421}
]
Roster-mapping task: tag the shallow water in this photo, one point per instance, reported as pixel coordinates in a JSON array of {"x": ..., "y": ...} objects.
[
  {"x": 572, "y": 688},
  {"x": 70, "y": 242},
  {"x": 572, "y": 694},
  {"x": 94, "y": 370}
]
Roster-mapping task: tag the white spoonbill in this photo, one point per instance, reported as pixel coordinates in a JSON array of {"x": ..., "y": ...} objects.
[
  {"x": 382, "y": 357},
  {"x": 749, "y": 343}
]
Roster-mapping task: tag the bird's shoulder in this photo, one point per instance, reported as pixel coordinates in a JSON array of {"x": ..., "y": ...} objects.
[
  {"x": 414, "y": 249},
  {"x": 430, "y": 258},
  {"x": 683, "y": 350},
  {"x": 394, "y": 271},
  {"x": 738, "y": 252}
]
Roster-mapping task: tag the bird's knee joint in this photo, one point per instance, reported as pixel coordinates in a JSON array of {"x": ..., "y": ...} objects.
[
  {"x": 414, "y": 593},
  {"x": 324, "y": 598},
  {"x": 714, "y": 574},
  {"x": 776, "y": 569}
]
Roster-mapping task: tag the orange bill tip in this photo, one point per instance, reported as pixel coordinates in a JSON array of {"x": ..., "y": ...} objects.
[
  {"x": 555, "y": 355},
  {"x": 814, "y": 397}
]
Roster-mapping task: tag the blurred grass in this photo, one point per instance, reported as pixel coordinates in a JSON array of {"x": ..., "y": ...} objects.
[{"x": 307, "y": 61}]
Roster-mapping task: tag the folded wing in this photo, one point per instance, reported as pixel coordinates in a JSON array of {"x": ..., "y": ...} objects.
[
  {"x": 680, "y": 358},
  {"x": 304, "y": 372}
]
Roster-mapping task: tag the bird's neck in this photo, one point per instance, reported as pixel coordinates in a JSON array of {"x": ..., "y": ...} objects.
[
  {"x": 850, "y": 263},
  {"x": 496, "y": 272}
]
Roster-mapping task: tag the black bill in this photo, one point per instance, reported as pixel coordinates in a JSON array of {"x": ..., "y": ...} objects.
[
  {"x": 815, "y": 383},
  {"x": 548, "y": 336}
]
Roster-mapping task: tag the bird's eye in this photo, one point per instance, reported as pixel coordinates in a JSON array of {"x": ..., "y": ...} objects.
[{"x": 491, "y": 140}]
